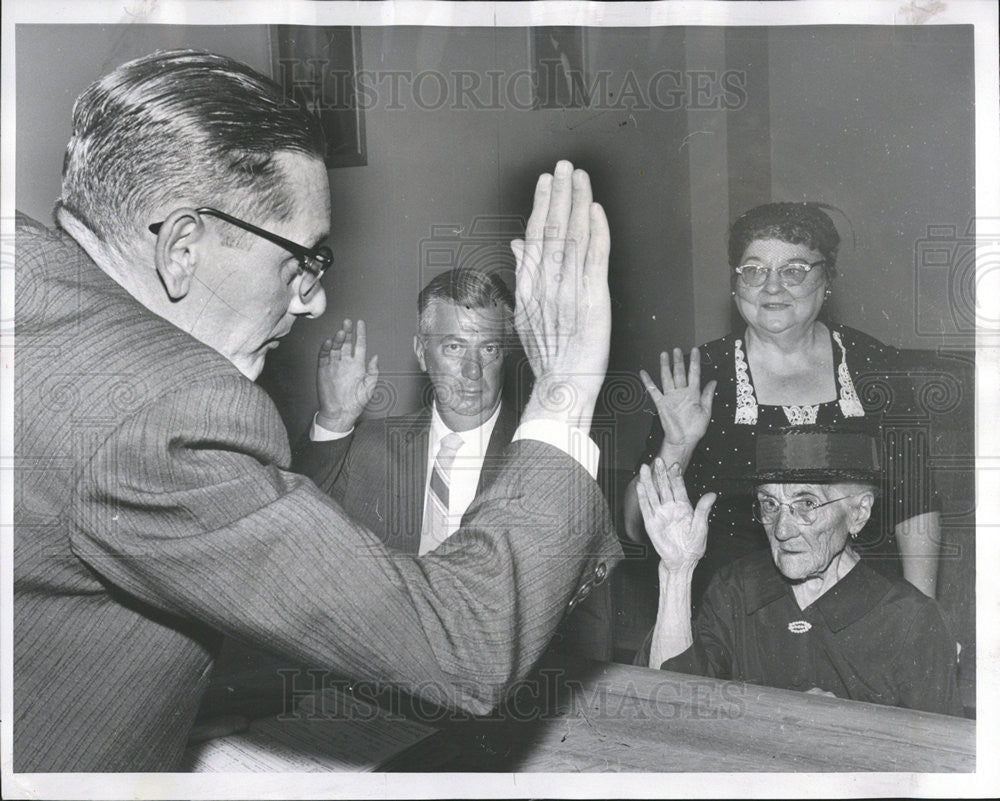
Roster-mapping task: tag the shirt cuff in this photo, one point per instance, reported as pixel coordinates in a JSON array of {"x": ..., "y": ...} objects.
[
  {"x": 574, "y": 442},
  {"x": 319, "y": 434}
]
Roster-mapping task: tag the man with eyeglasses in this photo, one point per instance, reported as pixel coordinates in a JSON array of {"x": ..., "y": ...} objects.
[
  {"x": 809, "y": 615},
  {"x": 155, "y": 512}
]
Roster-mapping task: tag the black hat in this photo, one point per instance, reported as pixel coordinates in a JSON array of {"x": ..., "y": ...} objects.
[{"x": 816, "y": 455}]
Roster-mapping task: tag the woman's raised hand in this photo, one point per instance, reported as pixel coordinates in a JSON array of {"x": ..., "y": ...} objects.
[
  {"x": 678, "y": 531},
  {"x": 684, "y": 408}
]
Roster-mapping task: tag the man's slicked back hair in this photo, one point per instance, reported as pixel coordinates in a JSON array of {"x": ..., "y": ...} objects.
[
  {"x": 181, "y": 124},
  {"x": 469, "y": 287}
]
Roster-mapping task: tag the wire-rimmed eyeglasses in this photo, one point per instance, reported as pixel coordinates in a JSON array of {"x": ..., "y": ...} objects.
[
  {"x": 313, "y": 262},
  {"x": 805, "y": 510},
  {"x": 791, "y": 273}
]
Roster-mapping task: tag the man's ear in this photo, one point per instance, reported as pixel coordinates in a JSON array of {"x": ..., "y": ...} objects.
[
  {"x": 177, "y": 251},
  {"x": 862, "y": 510},
  {"x": 418, "y": 351}
]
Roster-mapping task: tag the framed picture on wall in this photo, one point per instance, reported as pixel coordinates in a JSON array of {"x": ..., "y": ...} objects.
[{"x": 319, "y": 66}]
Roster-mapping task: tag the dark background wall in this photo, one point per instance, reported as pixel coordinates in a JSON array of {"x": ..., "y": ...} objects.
[{"x": 876, "y": 121}]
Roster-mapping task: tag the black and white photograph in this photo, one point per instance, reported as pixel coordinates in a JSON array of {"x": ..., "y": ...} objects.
[{"x": 436, "y": 399}]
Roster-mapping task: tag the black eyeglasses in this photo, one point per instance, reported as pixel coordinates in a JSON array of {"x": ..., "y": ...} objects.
[
  {"x": 313, "y": 262},
  {"x": 791, "y": 274}
]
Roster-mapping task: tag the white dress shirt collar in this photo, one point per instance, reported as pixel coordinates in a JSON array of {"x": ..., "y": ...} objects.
[{"x": 475, "y": 441}]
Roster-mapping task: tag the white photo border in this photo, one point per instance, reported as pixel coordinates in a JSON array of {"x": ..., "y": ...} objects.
[{"x": 982, "y": 15}]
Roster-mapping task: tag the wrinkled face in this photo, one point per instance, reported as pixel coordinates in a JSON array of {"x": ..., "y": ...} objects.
[
  {"x": 250, "y": 290},
  {"x": 774, "y": 308},
  {"x": 803, "y": 550},
  {"x": 462, "y": 352}
]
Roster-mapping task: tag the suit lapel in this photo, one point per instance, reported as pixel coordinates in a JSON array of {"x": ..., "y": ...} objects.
[
  {"x": 409, "y": 440},
  {"x": 500, "y": 439}
]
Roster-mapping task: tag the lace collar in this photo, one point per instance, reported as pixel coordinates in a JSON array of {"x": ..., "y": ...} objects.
[{"x": 746, "y": 400}]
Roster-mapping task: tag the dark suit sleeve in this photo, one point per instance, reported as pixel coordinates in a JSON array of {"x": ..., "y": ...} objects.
[
  {"x": 183, "y": 507},
  {"x": 321, "y": 461}
]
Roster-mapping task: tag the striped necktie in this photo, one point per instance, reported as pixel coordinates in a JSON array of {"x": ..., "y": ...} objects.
[{"x": 435, "y": 527}]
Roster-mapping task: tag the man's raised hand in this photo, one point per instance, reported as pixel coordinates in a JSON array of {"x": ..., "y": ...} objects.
[
  {"x": 563, "y": 308},
  {"x": 344, "y": 380}
]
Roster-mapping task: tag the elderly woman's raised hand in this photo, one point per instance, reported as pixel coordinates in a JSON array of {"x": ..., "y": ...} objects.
[
  {"x": 684, "y": 408},
  {"x": 677, "y": 531}
]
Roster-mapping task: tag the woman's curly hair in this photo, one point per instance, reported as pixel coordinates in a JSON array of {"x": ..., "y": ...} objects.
[{"x": 797, "y": 223}]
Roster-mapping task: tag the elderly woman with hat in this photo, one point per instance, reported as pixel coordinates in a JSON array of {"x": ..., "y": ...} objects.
[
  {"x": 809, "y": 615},
  {"x": 787, "y": 366}
]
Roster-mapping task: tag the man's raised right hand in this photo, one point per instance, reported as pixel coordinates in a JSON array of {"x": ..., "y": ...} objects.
[
  {"x": 345, "y": 381},
  {"x": 563, "y": 309}
]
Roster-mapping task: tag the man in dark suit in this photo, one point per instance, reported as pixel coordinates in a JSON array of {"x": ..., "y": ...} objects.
[
  {"x": 386, "y": 472},
  {"x": 154, "y": 512},
  {"x": 381, "y": 471}
]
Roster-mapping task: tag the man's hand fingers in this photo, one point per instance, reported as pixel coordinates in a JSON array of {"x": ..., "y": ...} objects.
[
  {"x": 578, "y": 235},
  {"x": 560, "y": 202},
  {"x": 563, "y": 312},
  {"x": 337, "y": 343},
  {"x": 527, "y": 306},
  {"x": 528, "y": 253},
  {"x": 325, "y": 347},
  {"x": 559, "y": 266},
  {"x": 348, "y": 338},
  {"x": 535, "y": 228},
  {"x": 517, "y": 245},
  {"x": 598, "y": 249},
  {"x": 360, "y": 341},
  {"x": 534, "y": 231},
  {"x": 557, "y": 221},
  {"x": 372, "y": 369}
]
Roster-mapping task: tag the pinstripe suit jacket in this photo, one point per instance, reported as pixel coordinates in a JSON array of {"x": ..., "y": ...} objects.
[
  {"x": 378, "y": 474},
  {"x": 154, "y": 512}
]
